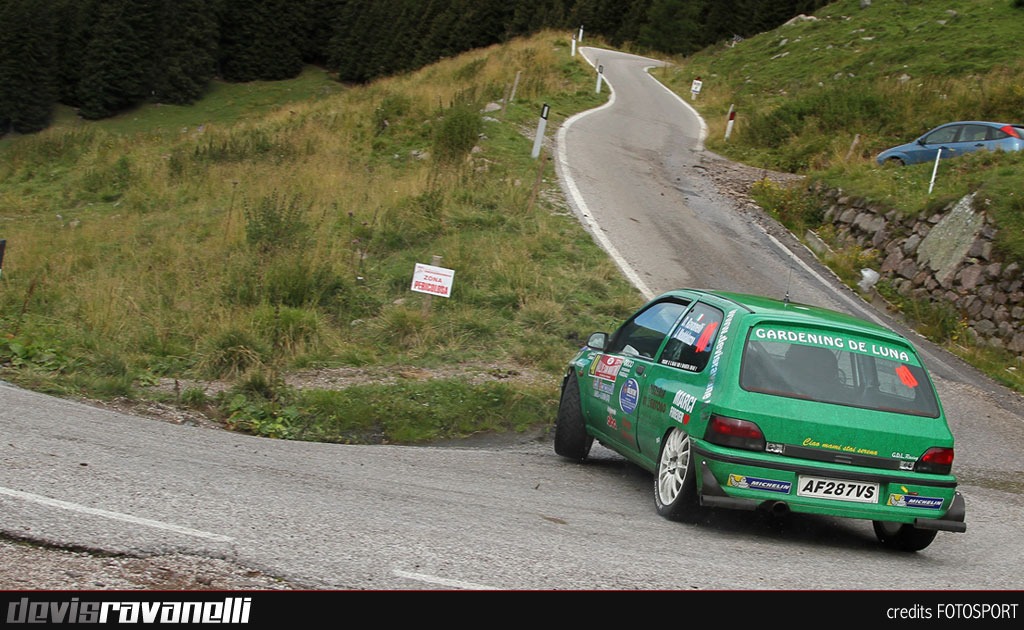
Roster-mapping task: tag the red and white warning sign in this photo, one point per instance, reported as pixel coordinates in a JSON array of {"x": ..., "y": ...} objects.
[{"x": 432, "y": 280}]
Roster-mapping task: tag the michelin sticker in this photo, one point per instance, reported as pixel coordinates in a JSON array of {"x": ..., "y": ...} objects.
[
  {"x": 909, "y": 500},
  {"x": 757, "y": 483},
  {"x": 629, "y": 395}
]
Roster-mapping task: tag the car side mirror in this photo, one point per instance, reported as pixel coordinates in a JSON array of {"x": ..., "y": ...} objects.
[
  {"x": 920, "y": 141},
  {"x": 598, "y": 341}
]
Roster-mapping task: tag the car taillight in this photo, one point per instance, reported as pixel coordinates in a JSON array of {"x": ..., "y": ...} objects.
[
  {"x": 937, "y": 460},
  {"x": 1008, "y": 129},
  {"x": 735, "y": 433}
]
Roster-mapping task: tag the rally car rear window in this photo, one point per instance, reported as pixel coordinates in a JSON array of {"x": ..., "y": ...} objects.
[{"x": 833, "y": 367}]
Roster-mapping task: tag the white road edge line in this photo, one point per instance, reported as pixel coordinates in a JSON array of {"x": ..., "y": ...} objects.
[
  {"x": 580, "y": 206},
  {"x": 430, "y": 579},
  {"x": 128, "y": 518},
  {"x": 700, "y": 119},
  {"x": 630, "y": 273}
]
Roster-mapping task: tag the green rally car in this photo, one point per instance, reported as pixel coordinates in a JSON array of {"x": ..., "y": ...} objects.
[{"x": 746, "y": 402}]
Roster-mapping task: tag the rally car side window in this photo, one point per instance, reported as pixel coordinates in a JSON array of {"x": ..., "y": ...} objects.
[
  {"x": 689, "y": 348},
  {"x": 642, "y": 335}
]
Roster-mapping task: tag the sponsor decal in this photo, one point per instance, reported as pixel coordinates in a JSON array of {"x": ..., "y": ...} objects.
[
  {"x": 905, "y": 500},
  {"x": 717, "y": 356},
  {"x": 684, "y": 401},
  {"x": 843, "y": 448},
  {"x": 757, "y": 483},
  {"x": 656, "y": 405},
  {"x": 705, "y": 337},
  {"x": 627, "y": 364},
  {"x": 612, "y": 422},
  {"x": 607, "y": 367},
  {"x": 629, "y": 395},
  {"x": 682, "y": 407},
  {"x": 602, "y": 396},
  {"x": 689, "y": 367},
  {"x": 898, "y": 455},
  {"x": 837, "y": 341},
  {"x": 906, "y": 377},
  {"x": 604, "y": 386},
  {"x": 679, "y": 416},
  {"x": 657, "y": 391}
]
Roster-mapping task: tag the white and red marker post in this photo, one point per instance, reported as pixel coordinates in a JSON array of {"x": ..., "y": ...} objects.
[
  {"x": 732, "y": 119},
  {"x": 600, "y": 78},
  {"x": 541, "y": 127}
]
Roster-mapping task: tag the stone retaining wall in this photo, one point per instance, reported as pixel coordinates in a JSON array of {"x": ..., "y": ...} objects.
[{"x": 947, "y": 257}]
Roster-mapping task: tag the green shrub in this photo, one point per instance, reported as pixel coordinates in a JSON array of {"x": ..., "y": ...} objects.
[
  {"x": 457, "y": 133},
  {"x": 230, "y": 353},
  {"x": 276, "y": 223}
]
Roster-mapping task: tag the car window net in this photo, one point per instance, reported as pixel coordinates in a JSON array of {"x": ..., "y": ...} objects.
[{"x": 836, "y": 376}]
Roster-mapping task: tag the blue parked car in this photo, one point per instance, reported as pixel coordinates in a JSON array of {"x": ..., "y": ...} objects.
[{"x": 956, "y": 139}]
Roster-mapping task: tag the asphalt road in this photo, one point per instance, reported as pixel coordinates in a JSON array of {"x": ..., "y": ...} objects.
[{"x": 515, "y": 516}]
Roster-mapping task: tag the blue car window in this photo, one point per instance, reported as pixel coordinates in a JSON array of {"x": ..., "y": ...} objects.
[
  {"x": 974, "y": 133},
  {"x": 946, "y": 134}
]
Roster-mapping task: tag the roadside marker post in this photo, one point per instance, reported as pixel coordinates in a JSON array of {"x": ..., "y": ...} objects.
[
  {"x": 536, "y": 182},
  {"x": 732, "y": 119},
  {"x": 695, "y": 88},
  {"x": 579, "y": 37},
  {"x": 541, "y": 127},
  {"x": 573, "y": 54},
  {"x": 600, "y": 78},
  {"x": 3, "y": 245}
]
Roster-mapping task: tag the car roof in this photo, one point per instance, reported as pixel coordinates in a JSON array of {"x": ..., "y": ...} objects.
[
  {"x": 978, "y": 122},
  {"x": 794, "y": 312}
]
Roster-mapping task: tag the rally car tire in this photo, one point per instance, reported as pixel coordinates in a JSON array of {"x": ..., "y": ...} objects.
[
  {"x": 571, "y": 438},
  {"x": 675, "y": 480},
  {"x": 903, "y": 536}
]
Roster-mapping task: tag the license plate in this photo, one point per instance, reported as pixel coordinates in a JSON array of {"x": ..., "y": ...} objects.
[{"x": 839, "y": 489}]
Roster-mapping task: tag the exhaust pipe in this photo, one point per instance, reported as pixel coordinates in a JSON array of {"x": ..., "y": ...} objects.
[{"x": 777, "y": 509}]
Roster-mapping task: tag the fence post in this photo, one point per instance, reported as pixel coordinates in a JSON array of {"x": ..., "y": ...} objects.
[
  {"x": 935, "y": 170},
  {"x": 853, "y": 145},
  {"x": 435, "y": 261},
  {"x": 515, "y": 86}
]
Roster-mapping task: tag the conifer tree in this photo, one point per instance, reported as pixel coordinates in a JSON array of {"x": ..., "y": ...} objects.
[
  {"x": 113, "y": 73},
  {"x": 27, "y": 65},
  {"x": 186, "y": 50}
]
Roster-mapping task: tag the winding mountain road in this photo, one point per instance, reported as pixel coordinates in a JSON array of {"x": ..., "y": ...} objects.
[{"x": 335, "y": 516}]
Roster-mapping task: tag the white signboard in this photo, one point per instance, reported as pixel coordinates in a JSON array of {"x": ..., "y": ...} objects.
[
  {"x": 432, "y": 280},
  {"x": 695, "y": 87}
]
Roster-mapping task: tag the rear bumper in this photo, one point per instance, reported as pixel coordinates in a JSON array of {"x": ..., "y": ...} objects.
[{"x": 736, "y": 479}]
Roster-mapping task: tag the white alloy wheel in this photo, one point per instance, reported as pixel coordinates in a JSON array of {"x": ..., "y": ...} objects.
[{"x": 673, "y": 467}]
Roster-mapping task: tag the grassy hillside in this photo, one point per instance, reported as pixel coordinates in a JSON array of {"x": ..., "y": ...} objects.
[
  {"x": 239, "y": 239},
  {"x": 884, "y": 75}
]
